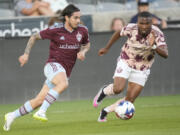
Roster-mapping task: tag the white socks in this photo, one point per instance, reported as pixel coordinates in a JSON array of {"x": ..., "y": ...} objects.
[{"x": 109, "y": 90}]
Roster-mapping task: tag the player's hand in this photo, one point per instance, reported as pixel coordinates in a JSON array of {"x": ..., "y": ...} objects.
[
  {"x": 102, "y": 51},
  {"x": 81, "y": 56},
  {"x": 23, "y": 59}
]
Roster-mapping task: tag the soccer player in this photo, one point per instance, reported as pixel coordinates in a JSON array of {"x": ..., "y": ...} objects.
[
  {"x": 134, "y": 62},
  {"x": 69, "y": 41}
]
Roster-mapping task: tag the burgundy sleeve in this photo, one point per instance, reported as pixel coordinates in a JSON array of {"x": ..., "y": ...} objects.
[
  {"x": 47, "y": 34},
  {"x": 85, "y": 37}
]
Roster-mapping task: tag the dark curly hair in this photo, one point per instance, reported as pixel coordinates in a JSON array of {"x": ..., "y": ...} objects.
[{"x": 68, "y": 11}]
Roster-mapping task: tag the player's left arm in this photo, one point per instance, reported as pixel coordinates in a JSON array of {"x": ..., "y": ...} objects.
[
  {"x": 161, "y": 46},
  {"x": 82, "y": 53},
  {"x": 162, "y": 51},
  {"x": 158, "y": 44}
]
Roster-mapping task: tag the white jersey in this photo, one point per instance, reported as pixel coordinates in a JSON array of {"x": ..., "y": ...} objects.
[{"x": 137, "y": 51}]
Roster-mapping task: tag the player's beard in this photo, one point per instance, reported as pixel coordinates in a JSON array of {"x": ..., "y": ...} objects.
[
  {"x": 73, "y": 27},
  {"x": 144, "y": 34}
]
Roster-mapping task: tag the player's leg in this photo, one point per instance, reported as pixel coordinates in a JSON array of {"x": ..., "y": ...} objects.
[
  {"x": 61, "y": 83},
  {"x": 59, "y": 79},
  {"x": 38, "y": 100},
  {"x": 121, "y": 74},
  {"x": 111, "y": 89},
  {"x": 137, "y": 80},
  {"x": 28, "y": 107},
  {"x": 104, "y": 112},
  {"x": 133, "y": 91}
]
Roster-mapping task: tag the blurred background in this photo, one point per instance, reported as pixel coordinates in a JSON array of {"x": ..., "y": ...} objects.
[{"x": 19, "y": 19}]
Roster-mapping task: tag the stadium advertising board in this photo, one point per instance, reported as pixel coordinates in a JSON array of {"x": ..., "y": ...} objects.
[
  {"x": 22, "y": 27},
  {"x": 25, "y": 27}
]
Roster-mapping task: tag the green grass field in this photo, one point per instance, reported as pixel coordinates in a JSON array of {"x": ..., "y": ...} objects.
[{"x": 154, "y": 116}]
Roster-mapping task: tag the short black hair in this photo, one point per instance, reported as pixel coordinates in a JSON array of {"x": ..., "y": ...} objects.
[
  {"x": 145, "y": 14},
  {"x": 143, "y": 2},
  {"x": 68, "y": 11}
]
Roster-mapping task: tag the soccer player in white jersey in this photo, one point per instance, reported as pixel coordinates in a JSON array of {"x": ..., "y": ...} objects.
[
  {"x": 69, "y": 41},
  {"x": 134, "y": 62}
]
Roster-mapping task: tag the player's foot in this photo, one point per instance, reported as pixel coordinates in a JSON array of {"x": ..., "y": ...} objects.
[
  {"x": 40, "y": 115},
  {"x": 9, "y": 118},
  {"x": 99, "y": 97},
  {"x": 102, "y": 116}
]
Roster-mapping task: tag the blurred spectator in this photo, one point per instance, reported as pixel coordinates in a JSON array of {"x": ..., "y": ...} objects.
[
  {"x": 56, "y": 5},
  {"x": 117, "y": 24},
  {"x": 33, "y": 8},
  {"x": 55, "y": 19},
  {"x": 143, "y": 5}
]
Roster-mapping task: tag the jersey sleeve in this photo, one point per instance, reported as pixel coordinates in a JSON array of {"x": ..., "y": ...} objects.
[
  {"x": 85, "y": 37},
  {"x": 126, "y": 30},
  {"x": 48, "y": 33},
  {"x": 160, "y": 39}
]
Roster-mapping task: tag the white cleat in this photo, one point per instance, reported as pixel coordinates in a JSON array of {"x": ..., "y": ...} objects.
[
  {"x": 9, "y": 118},
  {"x": 39, "y": 115}
]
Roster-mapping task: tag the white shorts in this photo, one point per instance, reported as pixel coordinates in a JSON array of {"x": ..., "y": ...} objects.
[
  {"x": 51, "y": 69},
  {"x": 136, "y": 76}
]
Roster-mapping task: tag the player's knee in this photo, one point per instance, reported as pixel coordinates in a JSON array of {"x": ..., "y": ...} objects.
[
  {"x": 65, "y": 84},
  {"x": 117, "y": 89},
  {"x": 62, "y": 85}
]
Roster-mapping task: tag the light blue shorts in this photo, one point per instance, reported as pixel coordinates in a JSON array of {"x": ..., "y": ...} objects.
[{"x": 51, "y": 70}]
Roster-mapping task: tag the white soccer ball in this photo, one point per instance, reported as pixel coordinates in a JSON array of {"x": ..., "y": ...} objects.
[{"x": 125, "y": 110}]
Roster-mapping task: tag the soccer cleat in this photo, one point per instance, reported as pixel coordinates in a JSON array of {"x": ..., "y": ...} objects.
[
  {"x": 102, "y": 116},
  {"x": 40, "y": 116},
  {"x": 99, "y": 97},
  {"x": 9, "y": 118}
]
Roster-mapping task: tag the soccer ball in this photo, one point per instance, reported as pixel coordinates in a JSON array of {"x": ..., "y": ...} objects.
[{"x": 125, "y": 110}]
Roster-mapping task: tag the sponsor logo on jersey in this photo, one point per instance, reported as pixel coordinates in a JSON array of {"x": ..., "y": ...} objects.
[{"x": 66, "y": 46}]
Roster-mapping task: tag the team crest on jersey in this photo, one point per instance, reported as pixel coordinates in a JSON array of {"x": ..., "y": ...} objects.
[{"x": 78, "y": 36}]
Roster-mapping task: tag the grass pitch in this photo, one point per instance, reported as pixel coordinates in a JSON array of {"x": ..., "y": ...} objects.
[{"x": 153, "y": 116}]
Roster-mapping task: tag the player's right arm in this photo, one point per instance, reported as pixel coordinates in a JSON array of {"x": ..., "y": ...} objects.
[
  {"x": 23, "y": 59},
  {"x": 112, "y": 40}
]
